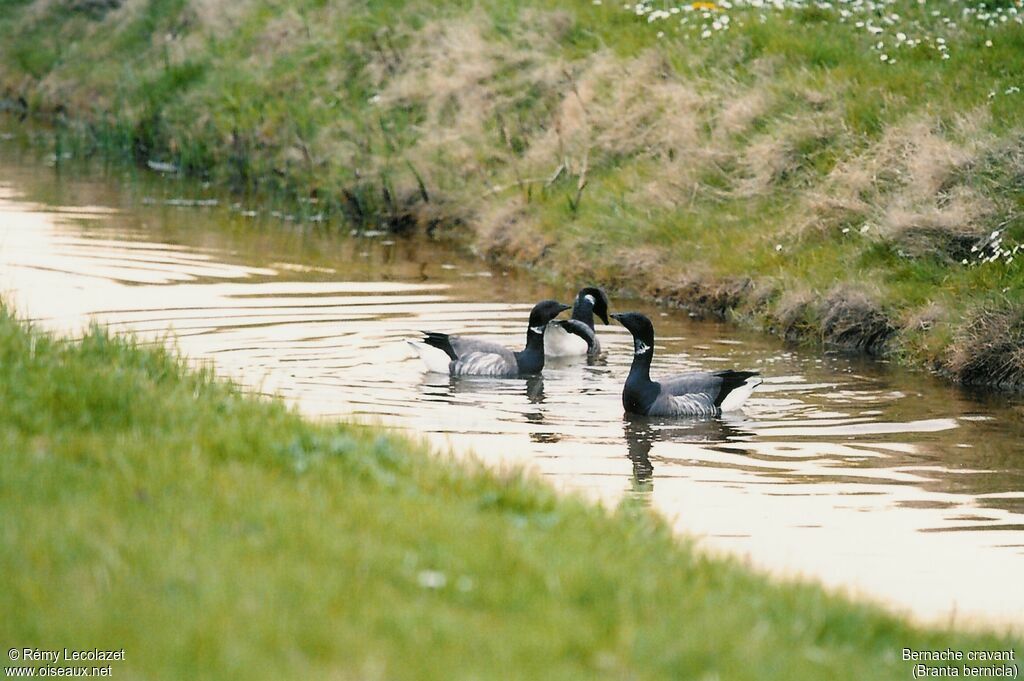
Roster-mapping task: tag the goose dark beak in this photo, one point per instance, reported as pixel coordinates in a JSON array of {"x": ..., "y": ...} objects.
[
  {"x": 616, "y": 317},
  {"x": 604, "y": 318}
]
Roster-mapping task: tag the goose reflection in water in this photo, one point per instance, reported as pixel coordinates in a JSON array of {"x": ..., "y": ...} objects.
[
  {"x": 501, "y": 393},
  {"x": 535, "y": 394},
  {"x": 641, "y": 432},
  {"x": 442, "y": 388}
]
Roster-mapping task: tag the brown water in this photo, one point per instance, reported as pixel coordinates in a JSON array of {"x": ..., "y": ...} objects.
[{"x": 884, "y": 481}]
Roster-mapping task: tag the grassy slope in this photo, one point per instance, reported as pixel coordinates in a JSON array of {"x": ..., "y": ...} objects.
[
  {"x": 213, "y": 535},
  {"x": 780, "y": 171}
]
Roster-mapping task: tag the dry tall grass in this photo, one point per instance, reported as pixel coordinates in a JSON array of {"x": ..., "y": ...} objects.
[
  {"x": 989, "y": 349},
  {"x": 912, "y": 187}
]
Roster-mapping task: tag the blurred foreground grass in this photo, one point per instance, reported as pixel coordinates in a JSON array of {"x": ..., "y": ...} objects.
[{"x": 211, "y": 534}]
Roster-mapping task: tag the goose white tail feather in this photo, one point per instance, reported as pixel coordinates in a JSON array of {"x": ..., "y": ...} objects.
[
  {"x": 434, "y": 360},
  {"x": 735, "y": 399}
]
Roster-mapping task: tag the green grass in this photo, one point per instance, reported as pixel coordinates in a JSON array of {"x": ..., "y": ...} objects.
[
  {"x": 703, "y": 156},
  {"x": 211, "y": 534}
]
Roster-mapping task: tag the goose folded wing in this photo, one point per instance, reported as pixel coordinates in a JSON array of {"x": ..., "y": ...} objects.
[
  {"x": 688, "y": 404},
  {"x": 466, "y": 345},
  {"x": 485, "y": 364},
  {"x": 695, "y": 382},
  {"x": 697, "y": 389}
]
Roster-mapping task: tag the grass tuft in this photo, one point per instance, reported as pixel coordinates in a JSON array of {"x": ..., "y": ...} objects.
[{"x": 990, "y": 349}]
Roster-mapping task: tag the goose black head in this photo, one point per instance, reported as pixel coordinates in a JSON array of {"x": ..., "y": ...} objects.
[
  {"x": 642, "y": 330},
  {"x": 596, "y": 298},
  {"x": 543, "y": 312}
]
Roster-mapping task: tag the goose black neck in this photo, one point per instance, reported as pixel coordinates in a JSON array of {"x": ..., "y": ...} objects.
[
  {"x": 640, "y": 392},
  {"x": 531, "y": 358},
  {"x": 534, "y": 341},
  {"x": 640, "y": 369}
]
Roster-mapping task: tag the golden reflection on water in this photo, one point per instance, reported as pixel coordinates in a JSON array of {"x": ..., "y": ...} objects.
[{"x": 882, "y": 481}]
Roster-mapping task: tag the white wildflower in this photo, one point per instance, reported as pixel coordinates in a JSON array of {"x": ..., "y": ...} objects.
[{"x": 431, "y": 579}]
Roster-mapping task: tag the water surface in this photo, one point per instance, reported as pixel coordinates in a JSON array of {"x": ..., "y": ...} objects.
[{"x": 883, "y": 481}]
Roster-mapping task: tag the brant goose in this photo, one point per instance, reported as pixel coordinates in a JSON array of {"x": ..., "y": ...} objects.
[
  {"x": 691, "y": 394},
  {"x": 464, "y": 356},
  {"x": 576, "y": 336}
]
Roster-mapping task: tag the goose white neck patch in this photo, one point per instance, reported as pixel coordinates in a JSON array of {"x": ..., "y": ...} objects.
[
  {"x": 537, "y": 329},
  {"x": 590, "y": 299},
  {"x": 639, "y": 347}
]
